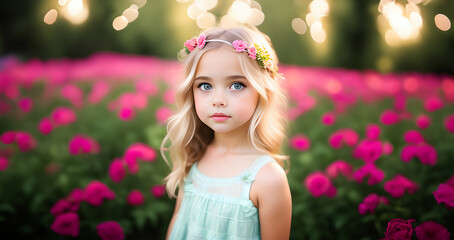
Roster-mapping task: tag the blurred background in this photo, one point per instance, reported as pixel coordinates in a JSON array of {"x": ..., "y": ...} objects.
[
  {"x": 86, "y": 88},
  {"x": 412, "y": 35}
]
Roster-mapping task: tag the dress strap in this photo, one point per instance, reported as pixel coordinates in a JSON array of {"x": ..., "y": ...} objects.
[{"x": 249, "y": 176}]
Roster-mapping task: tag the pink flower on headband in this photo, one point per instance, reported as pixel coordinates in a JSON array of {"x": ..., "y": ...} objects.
[
  {"x": 252, "y": 52},
  {"x": 239, "y": 45},
  {"x": 191, "y": 44},
  {"x": 201, "y": 40}
]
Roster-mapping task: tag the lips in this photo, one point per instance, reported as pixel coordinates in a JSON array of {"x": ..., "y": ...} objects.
[{"x": 219, "y": 115}]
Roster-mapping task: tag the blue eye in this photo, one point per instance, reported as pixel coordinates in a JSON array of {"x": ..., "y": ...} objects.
[
  {"x": 204, "y": 86},
  {"x": 238, "y": 86}
]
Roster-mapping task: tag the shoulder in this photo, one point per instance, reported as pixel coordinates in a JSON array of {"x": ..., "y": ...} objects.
[{"x": 270, "y": 179}]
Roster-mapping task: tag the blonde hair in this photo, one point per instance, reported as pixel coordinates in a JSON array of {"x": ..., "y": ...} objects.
[{"x": 189, "y": 136}]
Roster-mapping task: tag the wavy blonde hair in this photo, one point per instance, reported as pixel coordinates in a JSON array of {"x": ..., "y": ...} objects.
[{"x": 189, "y": 136}]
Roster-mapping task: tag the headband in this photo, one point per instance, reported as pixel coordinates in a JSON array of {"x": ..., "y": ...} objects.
[{"x": 254, "y": 50}]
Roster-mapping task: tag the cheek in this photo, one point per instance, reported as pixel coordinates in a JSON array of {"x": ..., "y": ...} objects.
[{"x": 246, "y": 105}]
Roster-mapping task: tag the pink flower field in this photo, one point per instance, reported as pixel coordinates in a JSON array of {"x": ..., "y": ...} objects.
[{"x": 371, "y": 154}]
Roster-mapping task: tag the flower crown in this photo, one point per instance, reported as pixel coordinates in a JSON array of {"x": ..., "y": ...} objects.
[{"x": 254, "y": 50}]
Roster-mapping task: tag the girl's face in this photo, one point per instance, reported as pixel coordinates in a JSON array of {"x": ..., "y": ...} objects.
[{"x": 224, "y": 99}]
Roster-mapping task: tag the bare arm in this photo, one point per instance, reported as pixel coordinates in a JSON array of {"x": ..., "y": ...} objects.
[
  {"x": 274, "y": 203},
  {"x": 175, "y": 212}
]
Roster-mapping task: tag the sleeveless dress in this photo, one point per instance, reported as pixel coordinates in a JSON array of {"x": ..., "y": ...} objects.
[{"x": 218, "y": 208}]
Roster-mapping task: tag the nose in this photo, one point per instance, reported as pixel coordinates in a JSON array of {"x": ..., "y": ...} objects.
[{"x": 219, "y": 99}]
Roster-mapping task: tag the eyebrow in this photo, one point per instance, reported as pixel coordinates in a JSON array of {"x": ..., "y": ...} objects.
[{"x": 227, "y": 78}]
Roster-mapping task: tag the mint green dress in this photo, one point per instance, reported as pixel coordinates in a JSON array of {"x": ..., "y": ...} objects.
[{"x": 218, "y": 208}]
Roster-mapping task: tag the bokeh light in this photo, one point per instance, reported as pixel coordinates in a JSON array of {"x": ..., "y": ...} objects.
[
  {"x": 194, "y": 11},
  {"x": 442, "y": 22},
  {"x": 75, "y": 11},
  {"x": 299, "y": 26},
  {"x": 131, "y": 14},
  {"x": 51, "y": 16},
  {"x": 206, "y": 20},
  {"x": 399, "y": 24},
  {"x": 120, "y": 23},
  {"x": 206, "y": 4}
]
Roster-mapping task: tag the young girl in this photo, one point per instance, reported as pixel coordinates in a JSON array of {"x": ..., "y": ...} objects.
[{"x": 225, "y": 140}]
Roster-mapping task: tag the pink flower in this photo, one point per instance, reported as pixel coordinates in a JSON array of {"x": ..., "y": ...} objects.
[
  {"x": 117, "y": 170},
  {"x": 110, "y": 230},
  {"x": 445, "y": 193},
  {"x": 368, "y": 150},
  {"x": 126, "y": 114},
  {"x": 387, "y": 148},
  {"x": 3, "y": 163},
  {"x": 369, "y": 204},
  {"x": 399, "y": 229},
  {"x": 372, "y": 131},
  {"x": 25, "y": 141},
  {"x": 396, "y": 187},
  {"x": 427, "y": 154},
  {"x": 369, "y": 169},
  {"x": 135, "y": 198},
  {"x": 300, "y": 142},
  {"x": 400, "y": 102},
  {"x": 328, "y": 118},
  {"x": 77, "y": 194},
  {"x": 201, "y": 40},
  {"x": 74, "y": 94},
  {"x": 140, "y": 100},
  {"x": 45, "y": 126},
  {"x": 99, "y": 90},
  {"x": 63, "y": 206},
  {"x": 413, "y": 137},
  {"x": 162, "y": 114},
  {"x": 318, "y": 184},
  {"x": 389, "y": 117},
  {"x": 432, "y": 230},
  {"x": 8, "y": 137},
  {"x": 158, "y": 190},
  {"x": 147, "y": 87},
  {"x": 449, "y": 123},
  {"x": 66, "y": 224},
  {"x": 142, "y": 151},
  {"x": 63, "y": 116},
  {"x": 252, "y": 51},
  {"x": 408, "y": 152},
  {"x": 96, "y": 192},
  {"x": 169, "y": 96},
  {"x": 131, "y": 161},
  {"x": 341, "y": 136},
  {"x": 26, "y": 104},
  {"x": 423, "y": 121},
  {"x": 191, "y": 44},
  {"x": 81, "y": 144},
  {"x": 432, "y": 104},
  {"x": 239, "y": 45},
  {"x": 340, "y": 166}
]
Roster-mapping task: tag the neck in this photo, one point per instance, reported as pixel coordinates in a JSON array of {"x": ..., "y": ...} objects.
[{"x": 233, "y": 142}]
